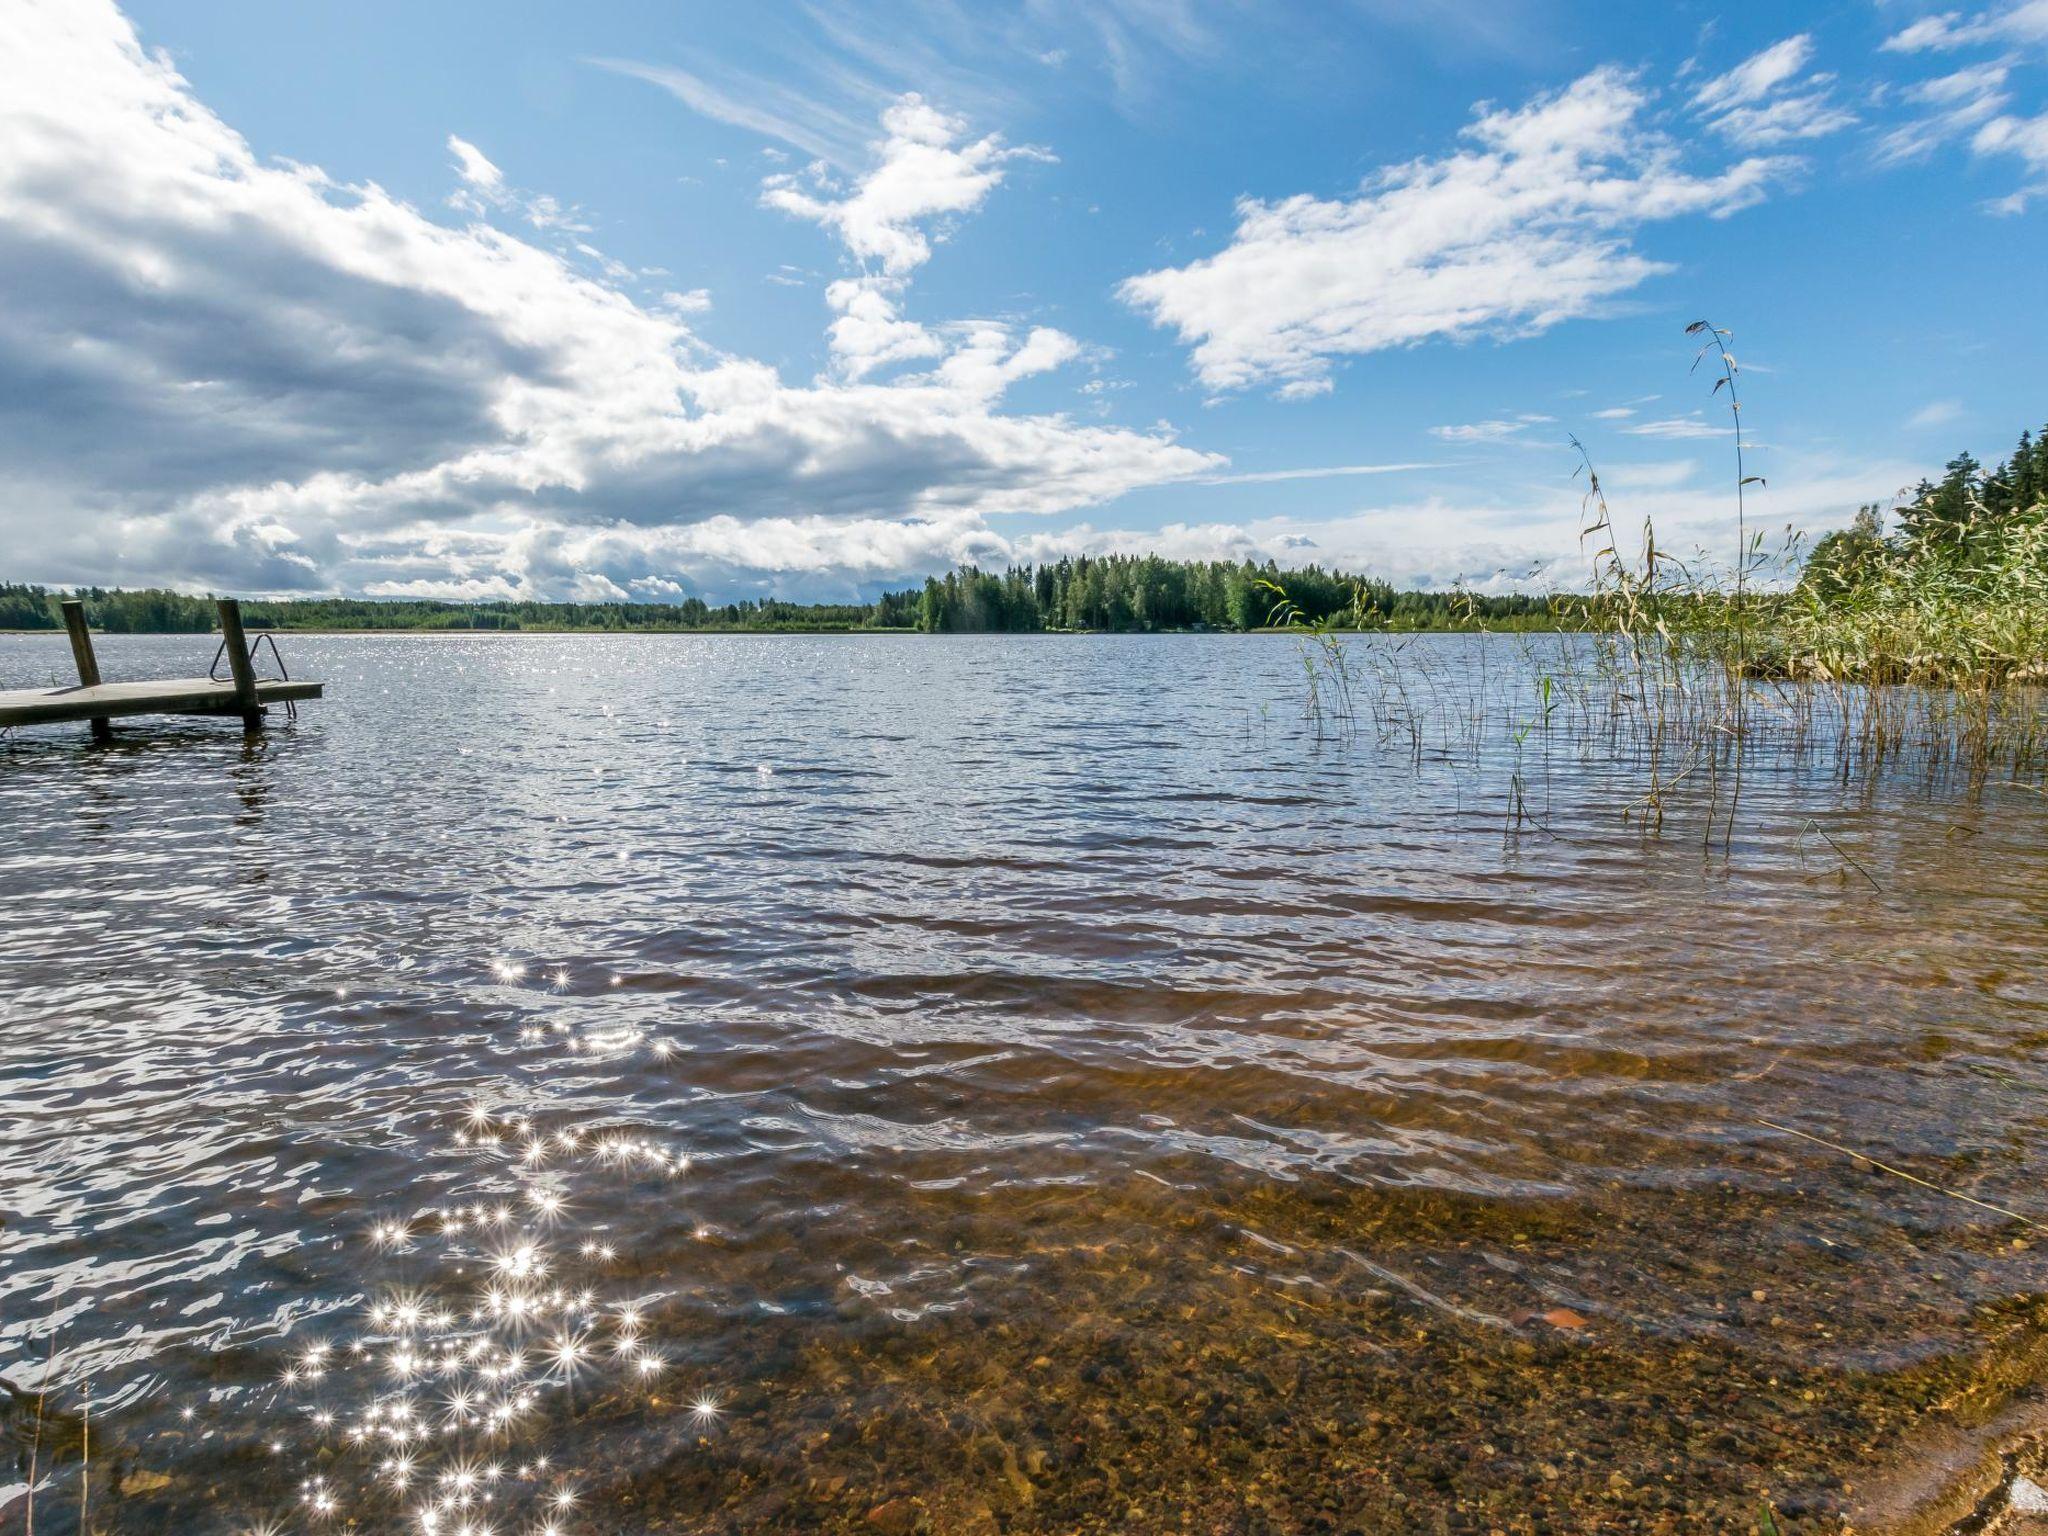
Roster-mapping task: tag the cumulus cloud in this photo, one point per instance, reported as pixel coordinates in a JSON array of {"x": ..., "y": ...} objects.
[
  {"x": 1526, "y": 227},
  {"x": 926, "y": 171},
  {"x": 220, "y": 370},
  {"x": 923, "y": 169}
]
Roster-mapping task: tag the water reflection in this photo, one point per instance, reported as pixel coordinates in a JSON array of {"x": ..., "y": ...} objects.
[{"x": 1103, "y": 1105}]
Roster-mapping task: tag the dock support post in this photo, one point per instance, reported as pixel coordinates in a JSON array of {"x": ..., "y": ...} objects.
[
  {"x": 87, "y": 664},
  {"x": 239, "y": 662}
]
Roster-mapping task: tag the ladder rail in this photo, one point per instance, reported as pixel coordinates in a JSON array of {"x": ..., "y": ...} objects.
[{"x": 263, "y": 637}]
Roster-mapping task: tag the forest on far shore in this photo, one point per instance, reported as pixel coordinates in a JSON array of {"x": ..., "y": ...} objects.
[{"x": 1117, "y": 593}]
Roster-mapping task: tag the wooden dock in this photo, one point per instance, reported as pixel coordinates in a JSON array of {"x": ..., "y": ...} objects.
[{"x": 241, "y": 693}]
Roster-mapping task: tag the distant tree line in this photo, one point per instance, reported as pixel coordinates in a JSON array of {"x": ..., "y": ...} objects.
[
  {"x": 1146, "y": 592},
  {"x": 1113, "y": 593},
  {"x": 152, "y": 610}
]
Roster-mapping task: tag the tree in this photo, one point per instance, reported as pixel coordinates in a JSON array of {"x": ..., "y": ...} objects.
[
  {"x": 1841, "y": 560},
  {"x": 1940, "y": 517}
]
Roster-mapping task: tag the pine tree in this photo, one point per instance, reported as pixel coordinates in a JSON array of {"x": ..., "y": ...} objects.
[
  {"x": 2027, "y": 478},
  {"x": 1939, "y": 516}
]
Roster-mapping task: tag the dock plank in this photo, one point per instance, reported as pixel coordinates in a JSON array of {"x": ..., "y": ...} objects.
[{"x": 171, "y": 696}]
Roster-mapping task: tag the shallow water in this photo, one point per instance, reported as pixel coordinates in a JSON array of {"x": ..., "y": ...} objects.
[{"x": 1026, "y": 1083}]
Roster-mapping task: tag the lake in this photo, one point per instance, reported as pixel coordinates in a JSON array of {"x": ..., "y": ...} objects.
[{"x": 972, "y": 1084}]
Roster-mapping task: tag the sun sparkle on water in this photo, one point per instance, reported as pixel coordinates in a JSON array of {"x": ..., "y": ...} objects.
[{"x": 410, "y": 1417}]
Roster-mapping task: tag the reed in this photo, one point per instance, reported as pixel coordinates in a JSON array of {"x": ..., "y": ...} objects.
[{"x": 1928, "y": 651}]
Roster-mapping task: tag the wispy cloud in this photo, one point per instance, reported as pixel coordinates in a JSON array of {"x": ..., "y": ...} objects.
[
  {"x": 2024, "y": 22},
  {"x": 1679, "y": 427},
  {"x": 1326, "y": 472},
  {"x": 1936, "y": 413},
  {"x": 484, "y": 187},
  {"x": 1757, "y": 76},
  {"x": 1765, "y": 101},
  {"x": 766, "y": 107},
  {"x": 1496, "y": 431},
  {"x": 1971, "y": 102},
  {"x": 1953, "y": 106},
  {"x": 2026, "y": 139}
]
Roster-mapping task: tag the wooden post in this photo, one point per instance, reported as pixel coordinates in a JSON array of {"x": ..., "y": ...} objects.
[
  {"x": 87, "y": 664},
  {"x": 238, "y": 660}
]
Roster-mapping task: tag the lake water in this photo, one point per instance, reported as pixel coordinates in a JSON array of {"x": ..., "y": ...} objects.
[{"x": 1028, "y": 1084}]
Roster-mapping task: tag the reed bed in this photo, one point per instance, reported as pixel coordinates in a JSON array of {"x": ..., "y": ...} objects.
[{"x": 1925, "y": 652}]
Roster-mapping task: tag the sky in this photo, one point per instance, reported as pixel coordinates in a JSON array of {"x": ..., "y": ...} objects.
[{"x": 646, "y": 300}]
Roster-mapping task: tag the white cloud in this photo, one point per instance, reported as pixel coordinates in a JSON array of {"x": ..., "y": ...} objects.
[
  {"x": 795, "y": 117},
  {"x": 1936, "y": 413},
  {"x": 2025, "y": 138},
  {"x": 483, "y": 188},
  {"x": 1527, "y": 227},
  {"x": 1615, "y": 413},
  {"x": 1333, "y": 471},
  {"x": 870, "y": 333},
  {"x": 1956, "y": 105},
  {"x": 925, "y": 171},
  {"x": 1480, "y": 431},
  {"x": 473, "y": 167},
  {"x": 2025, "y": 22},
  {"x": 1757, "y": 76},
  {"x": 1972, "y": 101},
  {"x": 1783, "y": 119},
  {"x": 249, "y": 376},
  {"x": 1677, "y": 427},
  {"x": 1751, "y": 106}
]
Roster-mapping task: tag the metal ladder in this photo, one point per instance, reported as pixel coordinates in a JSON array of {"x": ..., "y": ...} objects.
[{"x": 263, "y": 637}]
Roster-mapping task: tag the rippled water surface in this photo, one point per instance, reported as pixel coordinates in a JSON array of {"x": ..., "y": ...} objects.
[{"x": 1010, "y": 1083}]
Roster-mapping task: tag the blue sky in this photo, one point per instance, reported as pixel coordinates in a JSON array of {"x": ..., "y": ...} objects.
[{"x": 647, "y": 299}]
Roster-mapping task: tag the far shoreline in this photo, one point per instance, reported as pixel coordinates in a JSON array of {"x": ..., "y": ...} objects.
[{"x": 771, "y": 634}]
